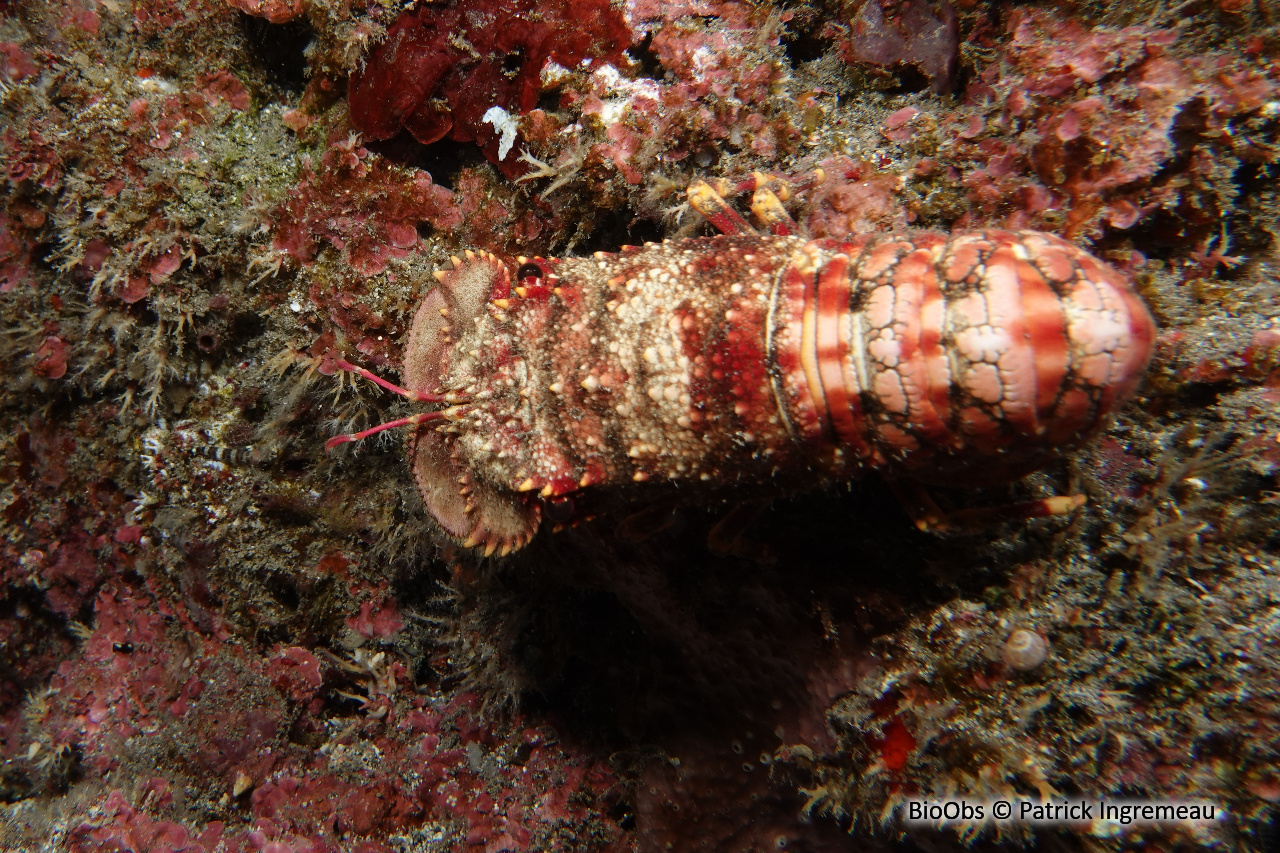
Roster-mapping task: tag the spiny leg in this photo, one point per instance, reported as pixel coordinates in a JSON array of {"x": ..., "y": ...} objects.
[
  {"x": 768, "y": 194},
  {"x": 768, "y": 208},
  {"x": 718, "y": 212},
  {"x": 928, "y": 516},
  {"x": 783, "y": 188},
  {"x": 1021, "y": 511}
]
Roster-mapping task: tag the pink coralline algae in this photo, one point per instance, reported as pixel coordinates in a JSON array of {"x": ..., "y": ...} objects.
[
  {"x": 31, "y": 157},
  {"x": 155, "y": 679},
  {"x": 722, "y": 64},
  {"x": 15, "y": 64},
  {"x": 1108, "y": 112},
  {"x": 913, "y": 33},
  {"x": 51, "y": 358},
  {"x": 722, "y": 81},
  {"x": 275, "y": 11},
  {"x": 362, "y": 206},
  {"x": 148, "y": 680},
  {"x": 15, "y": 256},
  {"x": 377, "y": 618},
  {"x": 442, "y": 67},
  {"x": 854, "y": 198}
]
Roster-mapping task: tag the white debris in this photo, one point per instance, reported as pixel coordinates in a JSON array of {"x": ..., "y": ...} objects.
[
  {"x": 553, "y": 73},
  {"x": 505, "y": 125},
  {"x": 620, "y": 93}
]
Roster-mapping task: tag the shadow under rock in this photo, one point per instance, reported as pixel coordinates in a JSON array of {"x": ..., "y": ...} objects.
[{"x": 705, "y": 662}]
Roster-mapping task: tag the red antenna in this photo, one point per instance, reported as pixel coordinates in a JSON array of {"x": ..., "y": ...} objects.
[{"x": 412, "y": 420}]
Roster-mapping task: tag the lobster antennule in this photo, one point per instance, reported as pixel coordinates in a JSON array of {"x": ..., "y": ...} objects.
[
  {"x": 448, "y": 414},
  {"x": 408, "y": 393}
]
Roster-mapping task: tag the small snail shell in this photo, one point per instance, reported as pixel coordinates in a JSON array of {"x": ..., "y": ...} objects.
[{"x": 1024, "y": 650}]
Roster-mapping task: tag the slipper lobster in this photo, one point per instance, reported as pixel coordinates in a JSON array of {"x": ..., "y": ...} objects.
[{"x": 757, "y": 360}]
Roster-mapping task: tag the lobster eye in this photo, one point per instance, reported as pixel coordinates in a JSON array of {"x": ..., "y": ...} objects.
[
  {"x": 559, "y": 510},
  {"x": 528, "y": 270}
]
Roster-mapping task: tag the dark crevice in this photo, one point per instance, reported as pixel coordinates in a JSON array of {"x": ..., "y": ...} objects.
[
  {"x": 1189, "y": 125},
  {"x": 620, "y": 228},
  {"x": 549, "y": 101},
  {"x": 512, "y": 61},
  {"x": 278, "y": 49},
  {"x": 646, "y": 59},
  {"x": 1160, "y": 236},
  {"x": 286, "y": 514},
  {"x": 271, "y": 635},
  {"x": 596, "y": 655},
  {"x": 243, "y": 328},
  {"x": 1269, "y": 831},
  {"x": 1252, "y": 181},
  {"x": 802, "y": 38},
  {"x": 911, "y": 80},
  {"x": 442, "y": 160},
  {"x": 284, "y": 591}
]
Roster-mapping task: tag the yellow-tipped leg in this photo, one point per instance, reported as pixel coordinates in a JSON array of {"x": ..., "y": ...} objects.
[
  {"x": 768, "y": 208},
  {"x": 712, "y": 205}
]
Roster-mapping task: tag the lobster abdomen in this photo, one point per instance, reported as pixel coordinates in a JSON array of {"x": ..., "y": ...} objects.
[{"x": 975, "y": 356}]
